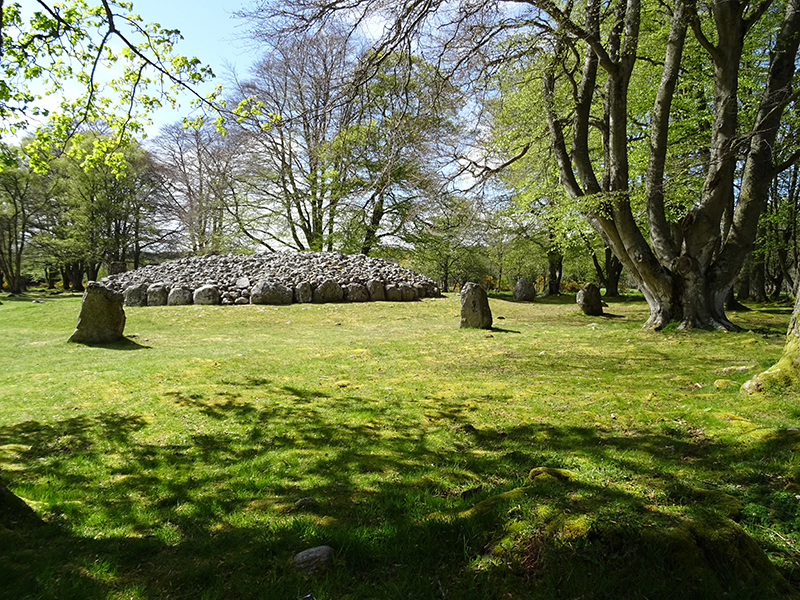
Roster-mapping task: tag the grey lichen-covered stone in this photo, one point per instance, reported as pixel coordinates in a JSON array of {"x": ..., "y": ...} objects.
[
  {"x": 303, "y": 293},
  {"x": 179, "y": 297},
  {"x": 157, "y": 294},
  {"x": 475, "y": 311},
  {"x": 589, "y": 300},
  {"x": 355, "y": 292},
  {"x": 393, "y": 293},
  {"x": 206, "y": 294},
  {"x": 408, "y": 293},
  {"x": 377, "y": 292},
  {"x": 328, "y": 291},
  {"x": 524, "y": 291},
  {"x": 102, "y": 318},
  {"x": 314, "y": 560},
  {"x": 136, "y": 295},
  {"x": 269, "y": 292}
]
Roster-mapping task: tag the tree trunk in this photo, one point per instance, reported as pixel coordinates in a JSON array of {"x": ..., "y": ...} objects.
[
  {"x": 786, "y": 372},
  {"x": 371, "y": 235},
  {"x": 688, "y": 277},
  {"x": 75, "y": 274},
  {"x": 743, "y": 292},
  {"x": 613, "y": 274},
  {"x": 92, "y": 270}
]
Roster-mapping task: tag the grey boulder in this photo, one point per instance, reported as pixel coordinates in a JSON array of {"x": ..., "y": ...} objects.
[
  {"x": 102, "y": 318},
  {"x": 328, "y": 291},
  {"x": 268, "y": 292},
  {"x": 157, "y": 294},
  {"x": 179, "y": 297},
  {"x": 475, "y": 311},
  {"x": 206, "y": 294},
  {"x": 136, "y": 295},
  {"x": 588, "y": 298},
  {"x": 524, "y": 291}
]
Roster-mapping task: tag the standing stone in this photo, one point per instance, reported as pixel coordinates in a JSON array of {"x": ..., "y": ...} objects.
[
  {"x": 179, "y": 297},
  {"x": 206, "y": 294},
  {"x": 116, "y": 267},
  {"x": 102, "y": 318},
  {"x": 475, "y": 311},
  {"x": 268, "y": 292},
  {"x": 303, "y": 293},
  {"x": 589, "y": 300},
  {"x": 355, "y": 292},
  {"x": 408, "y": 293},
  {"x": 524, "y": 291},
  {"x": 393, "y": 293},
  {"x": 376, "y": 290},
  {"x": 328, "y": 291},
  {"x": 157, "y": 295},
  {"x": 136, "y": 295}
]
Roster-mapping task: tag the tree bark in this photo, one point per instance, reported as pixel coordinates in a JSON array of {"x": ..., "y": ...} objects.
[{"x": 613, "y": 274}]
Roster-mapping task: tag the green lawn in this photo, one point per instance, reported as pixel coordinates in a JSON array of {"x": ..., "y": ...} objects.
[{"x": 196, "y": 458}]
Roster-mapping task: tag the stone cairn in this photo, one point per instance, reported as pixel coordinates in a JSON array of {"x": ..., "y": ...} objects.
[{"x": 279, "y": 278}]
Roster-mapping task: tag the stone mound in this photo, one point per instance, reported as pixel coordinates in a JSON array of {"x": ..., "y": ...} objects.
[{"x": 257, "y": 279}]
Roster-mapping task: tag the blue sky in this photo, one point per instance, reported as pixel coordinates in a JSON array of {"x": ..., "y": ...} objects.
[{"x": 210, "y": 33}]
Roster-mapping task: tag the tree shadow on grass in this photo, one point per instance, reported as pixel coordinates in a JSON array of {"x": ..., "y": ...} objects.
[{"x": 423, "y": 506}]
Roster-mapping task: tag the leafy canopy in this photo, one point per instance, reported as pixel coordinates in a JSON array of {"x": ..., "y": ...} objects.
[{"x": 107, "y": 64}]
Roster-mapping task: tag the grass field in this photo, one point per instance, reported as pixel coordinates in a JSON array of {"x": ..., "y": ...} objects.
[{"x": 197, "y": 457}]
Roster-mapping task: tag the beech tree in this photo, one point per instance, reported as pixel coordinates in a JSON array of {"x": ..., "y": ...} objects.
[
  {"x": 204, "y": 180},
  {"x": 339, "y": 166},
  {"x": 685, "y": 267}
]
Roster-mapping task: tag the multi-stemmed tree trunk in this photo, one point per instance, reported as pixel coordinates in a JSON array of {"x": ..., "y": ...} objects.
[{"x": 686, "y": 277}]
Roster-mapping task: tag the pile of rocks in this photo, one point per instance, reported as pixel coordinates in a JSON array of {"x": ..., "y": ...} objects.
[{"x": 279, "y": 278}]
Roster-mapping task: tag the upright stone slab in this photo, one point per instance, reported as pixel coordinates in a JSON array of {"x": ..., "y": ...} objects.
[
  {"x": 102, "y": 318},
  {"x": 408, "y": 293},
  {"x": 328, "y": 291},
  {"x": 206, "y": 294},
  {"x": 355, "y": 292},
  {"x": 589, "y": 300},
  {"x": 524, "y": 291},
  {"x": 157, "y": 294},
  {"x": 393, "y": 293},
  {"x": 377, "y": 292},
  {"x": 269, "y": 292},
  {"x": 303, "y": 293},
  {"x": 475, "y": 311},
  {"x": 136, "y": 295},
  {"x": 179, "y": 297}
]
